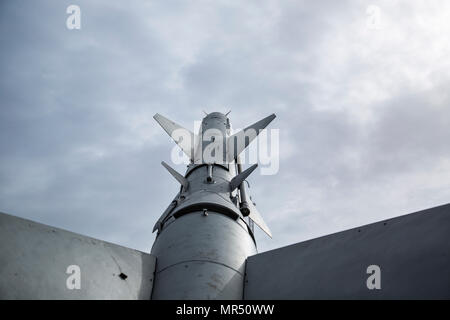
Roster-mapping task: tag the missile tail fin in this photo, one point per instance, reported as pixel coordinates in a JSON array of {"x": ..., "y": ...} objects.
[
  {"x": 166, "y": 213},
  {"x": 184, "y": 138},
  {"x": 258, "y": 219},
  {"x": 240, "y": 140},
  {"x": 237, "y": 180},
  {"x": 182, "y": 180}
]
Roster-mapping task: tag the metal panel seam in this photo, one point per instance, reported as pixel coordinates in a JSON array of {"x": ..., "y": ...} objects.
[{"x": 198, "y": 260}]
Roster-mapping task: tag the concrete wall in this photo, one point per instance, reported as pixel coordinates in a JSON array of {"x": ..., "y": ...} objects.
[
  {"x": 412, "y": 251},
  {"x": 34, "y": 259}
]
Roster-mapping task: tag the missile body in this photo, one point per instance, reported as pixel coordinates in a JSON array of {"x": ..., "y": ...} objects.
[{"x": 203, "y": 238}]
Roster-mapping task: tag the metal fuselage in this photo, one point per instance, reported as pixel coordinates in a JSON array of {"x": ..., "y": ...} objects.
[{"x": 203, "y": 239}]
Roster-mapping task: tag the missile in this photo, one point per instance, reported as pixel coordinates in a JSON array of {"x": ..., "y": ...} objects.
[
  {"x": 206, "y": 233},
  {"x": 205, "y": 246}
]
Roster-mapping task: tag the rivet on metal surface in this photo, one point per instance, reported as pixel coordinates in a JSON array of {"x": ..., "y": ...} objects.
[{"x": 205, "y": 212}]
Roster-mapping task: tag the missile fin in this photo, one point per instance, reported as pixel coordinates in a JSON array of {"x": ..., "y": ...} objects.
[
  {"x": 166, "y": 213},
  {"x": 183, "y": 137},
  {"x": 257, "y": 219},
  {"x": 182, "y": 180},
  {"x": 238, "y": 141},
  {"x": 237, "y": 180}
]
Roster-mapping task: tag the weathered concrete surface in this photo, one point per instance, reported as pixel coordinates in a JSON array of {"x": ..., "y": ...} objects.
[
  {"x": 413, "y": 252},
  {"x": 34, "y": 259}
]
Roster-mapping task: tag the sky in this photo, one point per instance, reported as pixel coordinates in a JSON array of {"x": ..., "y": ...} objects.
[{"x": 360, "y": 90}]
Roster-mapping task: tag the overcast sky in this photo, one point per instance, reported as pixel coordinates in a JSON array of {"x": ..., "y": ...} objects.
[{"x": 360, "y": 90}]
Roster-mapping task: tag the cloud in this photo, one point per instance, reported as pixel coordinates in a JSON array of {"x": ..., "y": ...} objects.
[{"x": 363, "y": 114}]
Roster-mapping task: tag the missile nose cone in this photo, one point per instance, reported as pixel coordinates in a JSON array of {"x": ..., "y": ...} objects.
[{"x": 216, "y": 114}]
